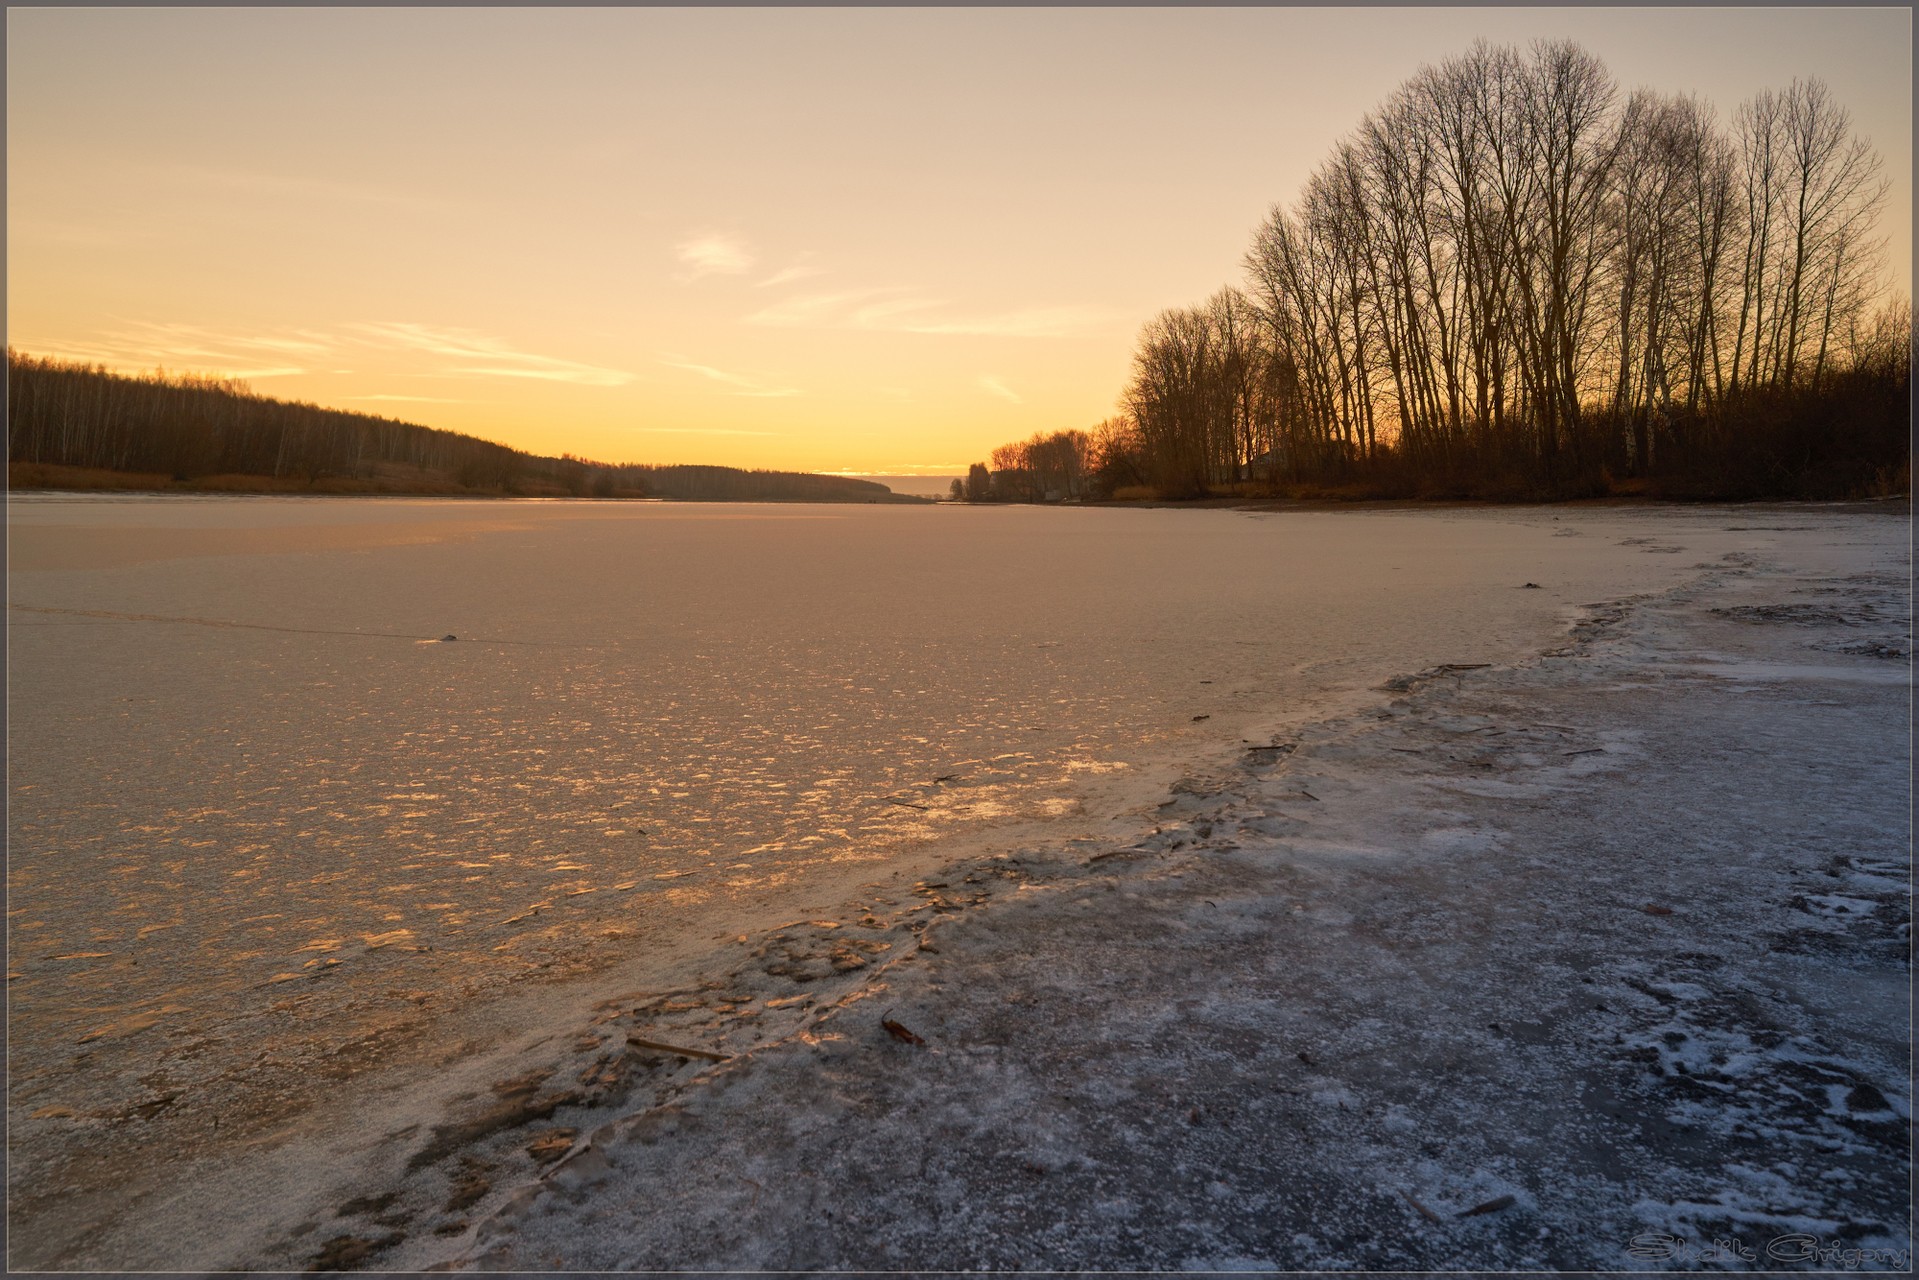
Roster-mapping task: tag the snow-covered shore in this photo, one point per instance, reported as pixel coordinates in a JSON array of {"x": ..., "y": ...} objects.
[{"x": 1599, "y": 961}]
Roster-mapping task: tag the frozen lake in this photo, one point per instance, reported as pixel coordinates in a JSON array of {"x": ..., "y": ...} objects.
[{"x": 268, "y": 834}]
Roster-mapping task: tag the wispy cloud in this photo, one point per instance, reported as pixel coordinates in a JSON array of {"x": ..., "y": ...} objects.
[
  {"x": 292, "y": 346},
  {"x": 990, "y": 382},
  {"x": 488, "y": 356},
  {"x": 192, "y": 340},
  {"x": 138, "y": 344},
  {"x": 897, "y": 309},
  {"x": 801, "y": 270},
  {"x": 815, "y": 310},
  {"x": 713, "y": 254},
  {"x": 583, "y": 376},
  {"x": 741, "y": 384},
  {"x": 417, "y": 399},
  {"x": 700, "y": 431},
  {"x": 84, "y": 351}
]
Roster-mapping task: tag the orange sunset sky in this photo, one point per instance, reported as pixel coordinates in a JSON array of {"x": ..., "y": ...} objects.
[{"x": 877, "y": 240}]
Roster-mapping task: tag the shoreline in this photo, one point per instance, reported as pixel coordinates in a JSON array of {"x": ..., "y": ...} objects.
[
  {"x": 1897, "y": 504},
  {"x": 388, "y": 481},
  {"x": 1299, "y": 1027},
  {"x": 1900, "y": 504},
  {"x": 108, "y": 491}
]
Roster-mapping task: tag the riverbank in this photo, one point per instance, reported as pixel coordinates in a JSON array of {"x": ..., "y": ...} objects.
[
  {"x": 1593, "y": 962},
  {"x": 1895, "y": 505},
  {"x": 405, "y": 482},
  {"x": 389, "y": 480}
]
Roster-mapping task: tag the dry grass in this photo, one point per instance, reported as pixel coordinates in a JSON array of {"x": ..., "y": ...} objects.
[
  {"x": 248, "y": 484},
  {"x": 1242, "y": 489},
  {"x": 527, "y": 488},
  {"x": 387, "y": 480},
  {"x": 390, "y": 479},
  {"x": 1892, "y": 482},
  {"x": 1332, "y": 492},
  {"x": 46, "y": 475}
]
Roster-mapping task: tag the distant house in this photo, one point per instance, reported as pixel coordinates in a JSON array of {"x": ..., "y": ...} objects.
[{"x": 1266, "y": 465}]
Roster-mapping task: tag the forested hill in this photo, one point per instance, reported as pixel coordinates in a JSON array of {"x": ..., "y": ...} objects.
[
  {"x": 728, "y": 484},
  {"x": 79, "y": 426}
]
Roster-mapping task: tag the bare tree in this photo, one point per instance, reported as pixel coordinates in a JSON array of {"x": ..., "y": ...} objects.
[
  {"x": 1507, "y": 275},
  {"x": 1834, "y": 191}
]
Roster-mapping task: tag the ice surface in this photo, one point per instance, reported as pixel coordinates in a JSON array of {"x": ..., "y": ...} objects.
[{"x": 292, "y": 891}]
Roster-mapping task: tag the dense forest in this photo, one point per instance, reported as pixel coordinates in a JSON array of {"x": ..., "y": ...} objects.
[
  {"x": 73, "y": 425},
  {"x": 1513, "y": 281}
]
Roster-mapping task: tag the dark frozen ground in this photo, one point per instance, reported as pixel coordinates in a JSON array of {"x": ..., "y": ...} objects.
[{"x": 1523, "y": 968}]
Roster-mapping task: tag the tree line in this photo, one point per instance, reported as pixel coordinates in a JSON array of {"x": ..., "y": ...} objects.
[
  {"x": 187, "y": 426},
  {"x": 204, "y": 431},
  {"x": 732, "y": 484},
  {"x": 1511, "y": 280}
]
